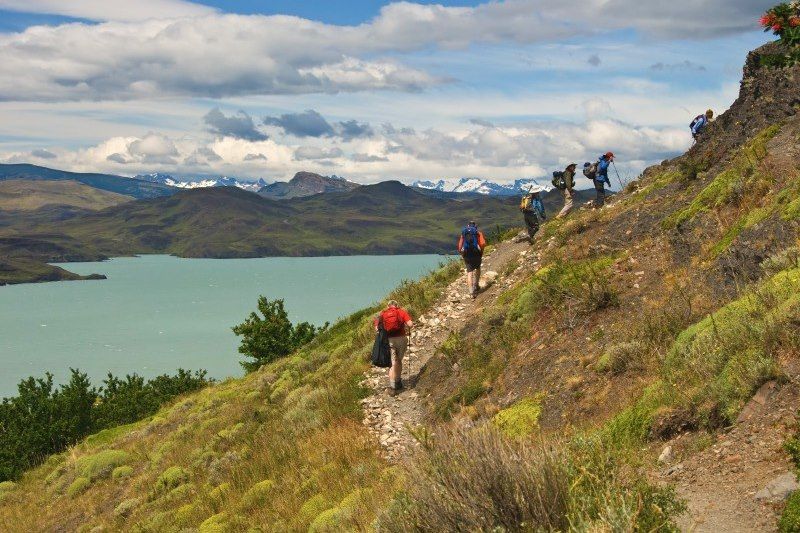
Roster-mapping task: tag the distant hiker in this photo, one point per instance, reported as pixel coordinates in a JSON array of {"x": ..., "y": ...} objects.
[
  {"x": 470, "y": 246},
  {"x": 532, "y": 209},
  {"x": 601, "y": 178},
  {"x": 700, "y": 122},
  {"x": 568, "y": 178},
  {"x": 397, "y": 323}
]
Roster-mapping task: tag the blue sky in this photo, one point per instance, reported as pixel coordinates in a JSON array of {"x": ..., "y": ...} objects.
[{"x": 365, "y": 89}]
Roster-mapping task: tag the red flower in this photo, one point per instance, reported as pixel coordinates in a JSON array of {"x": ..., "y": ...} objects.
[
  {"x": 767, "y": 20},
  {"x": 777, "y": 27},
  {"x": 794, "y": 22}
]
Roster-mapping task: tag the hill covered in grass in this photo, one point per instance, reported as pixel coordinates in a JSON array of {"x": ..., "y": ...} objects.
[{"x": 550, "y": 403}]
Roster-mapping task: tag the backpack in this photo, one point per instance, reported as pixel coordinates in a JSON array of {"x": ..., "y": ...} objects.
[
  {"x": 391, "y": 321},
  {"x": 381, "y": 350},
  {"x": 590, "y": 170},
  {"x": 697, "y": 119},
  {"x": 526, "y": 204},
  {"x": 558, "y": 180},
  {"x": 470, "y": 237}
]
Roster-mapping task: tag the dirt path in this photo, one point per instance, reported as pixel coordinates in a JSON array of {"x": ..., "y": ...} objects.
[
  {"x": 391, "y": 419},
  {"x": 720, "y": 483}
]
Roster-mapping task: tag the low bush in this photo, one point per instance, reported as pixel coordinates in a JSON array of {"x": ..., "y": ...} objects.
[
  {"x": 621, "y": 357},
  {"x": 479, "y": 480}
]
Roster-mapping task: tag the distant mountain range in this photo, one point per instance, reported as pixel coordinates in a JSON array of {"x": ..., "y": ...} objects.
[
  {"x": 196, "y": 183},
  {"x": 133, "y": 187},
  {"x": 479, "y": 186}
]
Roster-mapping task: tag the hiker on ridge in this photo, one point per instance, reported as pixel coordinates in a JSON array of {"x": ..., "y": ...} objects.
[
  {"x": 700, "y": 122},
  {"x": 470, "y": 246},
  {"x": 569, "y": 189},
  {"x": 601, "y": 178},
  {"x": 532, "y": 209},
  {"x": 397, "y": 323}
]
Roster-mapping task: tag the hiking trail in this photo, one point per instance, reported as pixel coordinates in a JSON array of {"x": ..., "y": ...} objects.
[
  {"x": 391, "y": 419},
  {"x": 721, "y": 483}
]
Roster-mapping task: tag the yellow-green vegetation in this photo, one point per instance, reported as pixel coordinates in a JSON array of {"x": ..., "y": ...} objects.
[
  {"x": 747, "y": 220},
  {"x": 122, "y": 472},
  {"x": 790, "y": 518},
  {"x": 621, "y": 357},
  {"x": 243, "y": 453},
  {"x": 468, "y": 479},
  {"x": 716, "y": 364},
  {"x": 101, "y": 464},
  {"x": 741, "y": 177},
  {"x": 520, "y": 419},
  {"x": 78, "y": 486}
]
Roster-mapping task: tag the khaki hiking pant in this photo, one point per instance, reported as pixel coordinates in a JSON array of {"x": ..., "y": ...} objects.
[
  {"x": 568, "y": 202},
  {"x": 399, "y": 346}
]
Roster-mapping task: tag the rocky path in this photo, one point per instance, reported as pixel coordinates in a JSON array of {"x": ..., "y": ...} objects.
[
  {"x": 739, "y": 482},
  {"x": 393, "y": 419}
]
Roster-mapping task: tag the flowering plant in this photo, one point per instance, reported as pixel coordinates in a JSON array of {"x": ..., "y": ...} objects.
[{"x": 784, "y": 21}]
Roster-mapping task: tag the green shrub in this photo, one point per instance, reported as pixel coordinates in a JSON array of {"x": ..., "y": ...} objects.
[
  {"x": 78, "y": 486},
  {"x": 257, "y": 495},
  {"x": 273, "y": 336},
  {"x": 101, "y": 464},
  {"x": 171, "y": 478},
  {"x": 790, "y": 518},
  {"x": 126, "y": 507},
  {"x": 122, "y": 472},
  {"x": 520, "y": 419}
]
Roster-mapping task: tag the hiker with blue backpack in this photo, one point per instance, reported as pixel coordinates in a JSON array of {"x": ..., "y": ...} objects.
[
  {"x": 699, "y": 123},
  {"x": 532, "y": 210},
  {"x": 471, "y": 246},
  {"x": 598, "y": 173}
]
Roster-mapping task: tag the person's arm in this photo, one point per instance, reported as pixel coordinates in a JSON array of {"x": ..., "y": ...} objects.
[
  {"x": 460, "y": 243},
  {"x": 481, "y": 240}
]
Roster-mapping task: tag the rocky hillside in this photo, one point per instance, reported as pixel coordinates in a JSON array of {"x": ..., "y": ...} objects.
[
  {"x": 636, "y": 369},
  {"x": 306, "y": 184}
]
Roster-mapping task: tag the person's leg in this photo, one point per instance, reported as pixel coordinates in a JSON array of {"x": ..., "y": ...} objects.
[
  {"x": 399, "y": 345},
  {"x": 532, "y": 223},
  {"x": 476, "y": 281},
  {"x": 567, "y": 205}
]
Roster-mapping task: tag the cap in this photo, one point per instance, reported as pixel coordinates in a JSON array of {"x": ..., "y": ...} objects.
[{"x": 609, "y": 154}]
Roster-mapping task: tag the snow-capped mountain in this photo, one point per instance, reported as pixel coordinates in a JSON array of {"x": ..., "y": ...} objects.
[
  {"x": 184, "y": 183},
  {"x": 479, "y": 186}
]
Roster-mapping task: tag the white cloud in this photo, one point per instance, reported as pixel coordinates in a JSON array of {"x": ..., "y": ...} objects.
[
  {"x": 110, "y": 9},
  {"x": 500, "y": 153},
  {"x": 227, "y": 55}
]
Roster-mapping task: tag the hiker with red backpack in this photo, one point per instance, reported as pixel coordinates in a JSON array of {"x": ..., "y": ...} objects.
[
  {"x": 397, "y": 324},
  {"x": 470, "y": 246}
]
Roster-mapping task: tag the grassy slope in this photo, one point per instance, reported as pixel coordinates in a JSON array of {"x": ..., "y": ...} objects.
[
  {"x": 282, "y": 446},
  {"x": 28, "y": 195}
]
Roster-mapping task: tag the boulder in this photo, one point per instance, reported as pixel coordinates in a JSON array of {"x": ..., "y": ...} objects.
[{"x": 779, "y": 488}]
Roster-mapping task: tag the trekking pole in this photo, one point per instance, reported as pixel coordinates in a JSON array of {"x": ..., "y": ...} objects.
[{"x": 618, "y": 178}]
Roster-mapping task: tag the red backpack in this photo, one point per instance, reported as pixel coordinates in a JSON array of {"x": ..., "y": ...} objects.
[{"x": 392, "y": 321}]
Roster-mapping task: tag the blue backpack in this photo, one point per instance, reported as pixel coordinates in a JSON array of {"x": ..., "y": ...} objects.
[{"x": 470, "y": 236}]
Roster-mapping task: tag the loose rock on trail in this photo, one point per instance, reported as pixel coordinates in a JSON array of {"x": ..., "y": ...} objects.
[{"x": 392, "y": 419}]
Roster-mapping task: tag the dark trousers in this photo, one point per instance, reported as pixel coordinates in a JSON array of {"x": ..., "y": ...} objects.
[
  {"x": 600, "y": 189},
  {"x": 532, "y": 223}
]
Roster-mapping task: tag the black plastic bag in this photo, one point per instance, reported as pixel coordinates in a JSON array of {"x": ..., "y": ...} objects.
[{"x": 381, "y": 351}]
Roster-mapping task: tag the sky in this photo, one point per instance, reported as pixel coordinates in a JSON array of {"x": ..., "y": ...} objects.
[{"x": 363, "y": 89}]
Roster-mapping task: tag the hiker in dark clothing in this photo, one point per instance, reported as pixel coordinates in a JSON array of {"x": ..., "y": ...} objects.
[
  {"x": 700, "y": 122},
  {"x": 569, "y": 190},
  {"x": 601, "y": 178},
  {"x": 397, "y": 323},
  {"x": 532, "y": 209},
  {"x": 470, "y": 246}
]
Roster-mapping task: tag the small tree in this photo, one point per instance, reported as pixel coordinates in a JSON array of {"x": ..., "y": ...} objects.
[{"x": 273, "y": 336}]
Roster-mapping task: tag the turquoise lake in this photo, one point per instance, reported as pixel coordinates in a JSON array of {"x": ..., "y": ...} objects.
[{"x": 157, "y": 313}]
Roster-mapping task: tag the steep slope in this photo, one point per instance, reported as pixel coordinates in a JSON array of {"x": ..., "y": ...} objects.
[
  {"x": 306, "y": 184},
  {"x": 107, "y": 182},
  {"x": 30, "y": 195}
]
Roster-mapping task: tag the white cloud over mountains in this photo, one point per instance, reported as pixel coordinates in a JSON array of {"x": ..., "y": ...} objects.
[
  {"x": 483, "y": 149},
  {"x": 188, "y": 52}
]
